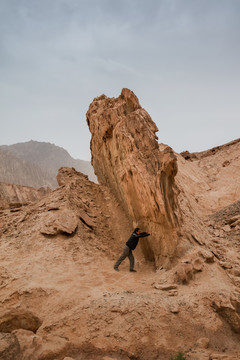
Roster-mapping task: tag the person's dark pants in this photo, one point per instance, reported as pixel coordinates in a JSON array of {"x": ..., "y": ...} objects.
[{"x": 127, "y": 252}]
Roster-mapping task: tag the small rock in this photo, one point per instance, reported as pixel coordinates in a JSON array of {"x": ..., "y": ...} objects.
[
  {"x": 235, "y": 224},
  {"x": 216, "y": 233},
  {"x": 233, "y": 219},
  {"x": 165, "y": 287},
  {"x": 197, "y": 264},
  {"x": 172, "y": 293},
  {"x": 225, "y": 265},
  {"x": 225, "y": 163},
  {"x": 174, "y": 309},
  {"x": 203, "y": 343},
  {"x": 184, "y": 273},
  {"x": 207, "y": 255},
  {"x": 236, "y": 272},
  {"x": 226, "y": 228}
]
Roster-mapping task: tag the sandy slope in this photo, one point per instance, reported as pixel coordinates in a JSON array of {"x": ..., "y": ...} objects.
[{"x": 89, "y": 311}]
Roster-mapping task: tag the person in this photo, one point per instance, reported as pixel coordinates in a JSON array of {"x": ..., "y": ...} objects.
[{"x": 130, "y": 245}]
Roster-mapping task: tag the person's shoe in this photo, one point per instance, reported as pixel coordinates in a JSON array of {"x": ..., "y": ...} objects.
[
  {"x": 132, "y": 270},
  {"x": 116, "y": 269}
]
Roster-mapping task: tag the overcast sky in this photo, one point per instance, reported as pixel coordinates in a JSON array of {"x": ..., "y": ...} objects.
[{"x": 180, "y": 57}]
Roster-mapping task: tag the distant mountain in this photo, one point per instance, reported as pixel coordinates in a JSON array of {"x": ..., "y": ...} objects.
[
  {"x": 36, "y": 164},
  {"x": 14, "y": 170}
]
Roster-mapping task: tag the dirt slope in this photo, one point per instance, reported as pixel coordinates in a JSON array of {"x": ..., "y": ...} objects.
[
  {"x": 87, "y": 310},
  {"x": 213, "y": 176}
]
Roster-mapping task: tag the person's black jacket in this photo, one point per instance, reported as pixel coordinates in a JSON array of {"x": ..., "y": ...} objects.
[{"x": 133, "y": 240}]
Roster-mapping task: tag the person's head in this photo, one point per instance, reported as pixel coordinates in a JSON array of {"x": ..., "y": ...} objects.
[{"x": 137, "y": 230}]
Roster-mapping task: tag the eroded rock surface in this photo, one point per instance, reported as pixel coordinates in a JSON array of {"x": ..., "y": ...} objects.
[
  {"x": 228, "y": 307},
  {"x": 15, "y": 196},
  {"x": 59, "y": 221},
  {"x": 9, "y": 347},
  {"x": 127, "y": 158}
]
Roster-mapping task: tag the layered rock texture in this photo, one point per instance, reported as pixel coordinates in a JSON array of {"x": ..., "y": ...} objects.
[
  {"x": 60, "y": 297},
  {"x": 161, "y": 191},
  {"x": 14, "y": 196},
  {"x": 127, "y": 158}
]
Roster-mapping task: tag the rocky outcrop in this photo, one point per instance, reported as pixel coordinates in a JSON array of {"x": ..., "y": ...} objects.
[
  {"x": 15, "y": 196},
  {"x": 35, "y": 347},
  {"x": 228, "y": 307},
  {"x": 128, "y": 159},
  {"x": 202, "y": 154},
  {"x": 59, "y": 221}
]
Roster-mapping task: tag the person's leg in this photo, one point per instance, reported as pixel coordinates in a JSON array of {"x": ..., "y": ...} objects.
[
  {"x": 131, "y": 259},
  {"x": 122, "y": 256}
]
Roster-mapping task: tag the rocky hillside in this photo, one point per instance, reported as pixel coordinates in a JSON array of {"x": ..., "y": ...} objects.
[
  {"x": 60, "y": 297},
  {"x": 36, "y": 164},
  {"x": 14, "y": 196}
]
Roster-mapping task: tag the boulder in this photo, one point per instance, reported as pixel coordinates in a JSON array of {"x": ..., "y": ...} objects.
[
  {"x": 68, "y": 175},
  {"x": 228, "y": 307},
  {"x": 59, "y": 221},
  {"x": 197, "y": 264},
  {"x": 203, "y": 343},
  {"x": 9, "y": 347},
  {"x": 35, "y": 347},
  {"x": 48, "y": 347},
  {"x": 25, "y": 338},
  {"x": 184, "y": 273},
  {"x": 207, "y": 255}
]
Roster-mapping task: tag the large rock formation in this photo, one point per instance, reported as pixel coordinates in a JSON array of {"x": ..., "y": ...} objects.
[{"x": 127, "y": 158}]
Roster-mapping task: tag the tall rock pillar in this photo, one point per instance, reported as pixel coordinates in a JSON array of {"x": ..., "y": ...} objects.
[{"x": 127, "y": 159}]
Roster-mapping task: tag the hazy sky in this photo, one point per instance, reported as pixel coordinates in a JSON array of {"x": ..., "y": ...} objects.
[{"x": 180, "y": 57}]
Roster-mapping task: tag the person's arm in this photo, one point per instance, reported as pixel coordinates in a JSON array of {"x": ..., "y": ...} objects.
[{"x": 143, "y": 234}]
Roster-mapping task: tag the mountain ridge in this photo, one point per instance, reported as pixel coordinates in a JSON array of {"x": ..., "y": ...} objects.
[{"x": 36, "y": 164}]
